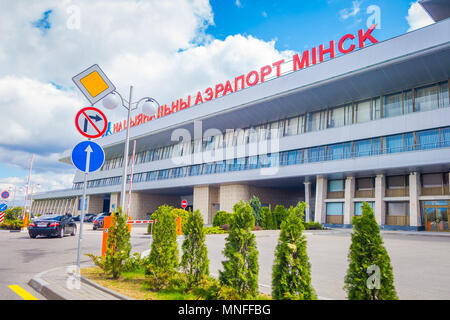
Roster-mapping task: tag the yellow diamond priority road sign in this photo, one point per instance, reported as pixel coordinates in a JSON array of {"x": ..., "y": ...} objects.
[{"x": 93, "y": 83}]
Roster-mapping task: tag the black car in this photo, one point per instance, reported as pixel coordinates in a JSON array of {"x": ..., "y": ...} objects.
[
  {"x": 52, "y": 225},
  {"x": 89, "y": 217},
  {"x": 98, "y": 221}
]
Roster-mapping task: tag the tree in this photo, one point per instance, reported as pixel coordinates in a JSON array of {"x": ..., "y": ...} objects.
[
  {"x": 279, "y": 214},
  {"x": 256, "y": 210},
  {"x": 266, "y": 218},
  {"x": 164, "y": 249},
  {"x": 194, "y": 261},
  {"x": 291, "y": 273},
  {"x": 240, "y": 269},
  {"x": 13, "y": 213},
  {"x": 369, "y": 275},
  {"x": 118, "y": 244}
]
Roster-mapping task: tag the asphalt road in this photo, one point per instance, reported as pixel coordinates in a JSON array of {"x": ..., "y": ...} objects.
[{"x": 421, "y": 263}]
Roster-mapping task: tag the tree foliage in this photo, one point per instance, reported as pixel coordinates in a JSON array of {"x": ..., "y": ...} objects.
[
  {"x": 369, "y": 275},
  {"x": 256, "y": 210},
  {"x": 279, "y": 215},
  {"x": 240, "y": 269},
  {"x": 194, "y": 260},
  {"x": 291, "y": 274}
]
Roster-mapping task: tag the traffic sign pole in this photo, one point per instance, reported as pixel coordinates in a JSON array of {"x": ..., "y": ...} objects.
[{"x": 83, "y": 203}]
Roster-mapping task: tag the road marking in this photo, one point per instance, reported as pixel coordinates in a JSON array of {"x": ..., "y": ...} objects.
[{"x": 25, "y": 295}]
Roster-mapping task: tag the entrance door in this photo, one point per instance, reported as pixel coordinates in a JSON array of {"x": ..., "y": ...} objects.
[{"x": 436, "y": 218}]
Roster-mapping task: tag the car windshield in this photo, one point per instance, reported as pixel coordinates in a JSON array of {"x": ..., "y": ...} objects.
[{"x": 50, "y": 217}]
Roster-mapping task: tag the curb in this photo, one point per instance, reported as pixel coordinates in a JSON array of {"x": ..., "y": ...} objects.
[{"x": 51, "y": 292}]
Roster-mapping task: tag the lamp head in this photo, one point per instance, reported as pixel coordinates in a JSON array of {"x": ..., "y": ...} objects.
[
  {"x": 111, "y": 101},
  {"x": 150, "y": 107}
]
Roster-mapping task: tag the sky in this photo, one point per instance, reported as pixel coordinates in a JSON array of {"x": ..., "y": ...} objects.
[{"x": 165, "y": 49}]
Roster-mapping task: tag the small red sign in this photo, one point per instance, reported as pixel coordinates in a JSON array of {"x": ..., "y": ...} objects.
[
  {"x": 91, "y": 122},
  {"x": 184, "y": 204}
]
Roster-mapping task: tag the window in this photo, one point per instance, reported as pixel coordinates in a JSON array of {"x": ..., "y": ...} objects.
[
  {"x": 392, "y": 105},
  {"x": 426, "y": 98},
  {"x": 316, "y": 154},
  {"x": 443, "y": 95},
  {"x": 335, "y": 185},
  {"x": 341, "y": 116},
  {"x": 365, "y": 183},
  {"x": 427, "y": 139},
  {"x": 335, "y": 152},
  {"x": 335, "y": 208},
  {"x": 367, "y": 110},
  {"x": 393, "y": 143},
  {"x": 316, "y": 120},
  {"x": 397, "y": 182},
  {"x": 362, "y": 148},
  {"x": 358, "y": 207},
  {"x": 292, "y": 126},
  {"x": 400, "y": 208},
  {"x": 432, "y": 180}
]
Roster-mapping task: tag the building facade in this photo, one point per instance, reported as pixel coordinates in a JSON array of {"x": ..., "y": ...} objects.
[{"x": 372, "y": 125}]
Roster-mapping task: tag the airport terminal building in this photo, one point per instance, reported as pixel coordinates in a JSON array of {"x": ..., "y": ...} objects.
[{"x": 370, "y": 125}]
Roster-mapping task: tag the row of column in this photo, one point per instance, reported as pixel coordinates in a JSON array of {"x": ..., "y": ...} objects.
[
  {"x": 380, "y": 205},
  {"x": 57, "y": 206}
]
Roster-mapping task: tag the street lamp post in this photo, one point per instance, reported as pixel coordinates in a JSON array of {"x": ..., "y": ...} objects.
[{"x": 150, "y": 107}]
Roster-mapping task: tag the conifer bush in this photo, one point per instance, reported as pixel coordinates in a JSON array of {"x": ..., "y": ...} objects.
[
  {"x": 291, "y": 273},
  {"x": 369, "y": 275},
  {"x": 194, "y": 260},
  {"x": 256, "y": 209},
  {"x": 163, "y": 257},
  {"x": 118, "y": 246},
  {"x": 279, "y": 214},
  {"x": 240, "y": 269}
]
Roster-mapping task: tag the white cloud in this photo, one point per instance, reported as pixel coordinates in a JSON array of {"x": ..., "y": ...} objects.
[
  {"x": 238, "y": 4},
  {"x": 417, "y": 17},
  {"x": 346, "y": 13},
  {"x": 158, "y": 46}
]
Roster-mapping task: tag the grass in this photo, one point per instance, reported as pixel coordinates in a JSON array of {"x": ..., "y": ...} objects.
[{"x": 134, "y": 285}]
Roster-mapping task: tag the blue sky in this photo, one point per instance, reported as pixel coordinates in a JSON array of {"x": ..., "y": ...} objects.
[{"x": 297, "y": 25}]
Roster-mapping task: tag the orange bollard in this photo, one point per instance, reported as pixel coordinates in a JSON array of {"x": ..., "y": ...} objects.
[
  {"x": 25, "y": 221},
  {"x": 107, "y": 221},
  {"x": 129, "y": 224},
  {"x": 179, "y": 226}
]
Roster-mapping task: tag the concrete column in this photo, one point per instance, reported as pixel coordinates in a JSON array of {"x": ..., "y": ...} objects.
[
  {"x": 95, "y": 204},
  {"x": 307, "y": 200},
  {"x": 114, "y": 201},
  {"x": 206, "y": 199},
  {"x": 349, "y": 206},
  {"x": 321, "y": 195},
  {"x": 230, "y": 194},
  {"x": 380, "y": 206},
  {"x": 414, "y": 203}
]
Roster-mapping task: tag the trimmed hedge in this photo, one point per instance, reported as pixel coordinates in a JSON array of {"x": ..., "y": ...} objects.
[{"x": 221, "y": 218}]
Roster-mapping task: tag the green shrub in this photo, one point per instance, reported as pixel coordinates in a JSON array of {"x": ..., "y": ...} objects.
[
  {"x": 221, "y": 218},
  {"x": 134, "y": 263},
  {"x": 13, "y": 213},
  {"x": 8, "y": 224},
  {"x": 256, "y": 209},
  {"x": 267, "y": 219},
  {"x": 240, "y": 269},
  {"x": 291, "y": 272},
  {"x": 194, "y": 260},
  {"x": 183, "y": 214},
  {"x": 369, "y": 275},
  {"x": 279, "y": 215},
  {"x": 118, "y": 246},
  {"x": 313, "y": 226},
  {"x": 214, "y": 230},
  {"x": 163, "y": 258}
]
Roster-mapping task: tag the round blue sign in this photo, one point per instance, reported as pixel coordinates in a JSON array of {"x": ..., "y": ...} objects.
[
  {"x": 3, "y": 207},
  {"x": 88, "y": 156},
  {"x": 5, "y": 194}
]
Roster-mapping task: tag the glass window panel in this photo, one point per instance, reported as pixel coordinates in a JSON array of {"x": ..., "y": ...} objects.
[
  {"x": 316, "y": 154},
  {"x": 335, "y": 152},
  {"x": 426, "y": 98},
  {"x": 335, "y": 185},
  {"x": 432, "y": 180},
  {"x": 367, "y": 110},
  {"x": 316, "y": 121},
  {"x": 301, "y": 124},
  {"x": 392, "y": 105},
  {"x": 358, "y": 207},
  {"x": 400, "y": 208},
  {"x": 393, "y": 143},
  {"x": 365, "y": 184},
  {"x": 446, "y": 137},
  {"x": 396, "y": 182},
  {"x": 362, "y": 148},
  {"x": 428, "y": 139},
  {"x": 443, "y": 95},
  {"x": 335, "y": 208},
  {"x": 340, "y": 116},
  {"x": 253, "y": 136},
  {"x": 292, "y": 126},
  {"x": 407, "y": 102}
]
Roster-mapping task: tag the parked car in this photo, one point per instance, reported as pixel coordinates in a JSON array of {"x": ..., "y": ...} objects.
[
  {"x": 98, "y": 221},
  {"x": 52, "y": 225},
  {"x": 89, "y": 217}
]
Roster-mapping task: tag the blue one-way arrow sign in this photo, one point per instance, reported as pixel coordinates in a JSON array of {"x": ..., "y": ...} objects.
[
  {"x": 88, "y": 156},
  {"x": 3, "y": 207}
]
